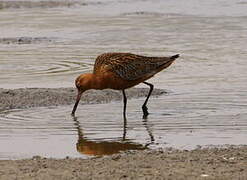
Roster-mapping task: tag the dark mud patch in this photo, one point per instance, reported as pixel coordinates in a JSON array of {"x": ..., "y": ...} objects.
[
  {"x": 140, "y": 13},
  {"x": 25, "y": 40},
  {"x": 37, "y": 97},
  {"x": 209, "y": 163},
  {"x": 152, "y": 14},
  {"x": 43, "y": 4}
]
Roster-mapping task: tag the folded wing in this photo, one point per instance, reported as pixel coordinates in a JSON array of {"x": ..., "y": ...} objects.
[{"x": 130, "y": 66}]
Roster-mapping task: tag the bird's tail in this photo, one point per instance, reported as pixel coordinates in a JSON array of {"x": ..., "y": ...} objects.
[{"x": 174, "y": 57}]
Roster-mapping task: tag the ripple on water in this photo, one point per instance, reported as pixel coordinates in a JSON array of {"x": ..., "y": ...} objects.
[{"x": 52, "y": 132}]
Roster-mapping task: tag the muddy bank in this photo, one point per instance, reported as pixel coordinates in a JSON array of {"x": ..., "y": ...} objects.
[
  {"x": 37, "y": 97},
  {"x": 209, "y": 163},
  {"x": 25, "y": 40},
  {"x": 43, "y": 4}
]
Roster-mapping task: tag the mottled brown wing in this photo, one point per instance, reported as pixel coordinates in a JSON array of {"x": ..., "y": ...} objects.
[
  {"x": 130, "y": 66},
  {"x": 103, "y": 60}
]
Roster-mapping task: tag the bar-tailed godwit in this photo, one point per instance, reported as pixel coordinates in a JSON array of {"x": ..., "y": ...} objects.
[{"x": 121, "y": 71}]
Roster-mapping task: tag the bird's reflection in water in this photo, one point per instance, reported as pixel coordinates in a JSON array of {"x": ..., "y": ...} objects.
[{"x": 98, "y": 148}]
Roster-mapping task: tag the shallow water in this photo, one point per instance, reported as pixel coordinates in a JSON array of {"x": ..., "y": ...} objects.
[
  {"x": 207, "y": 103},
  {"x": 52, "y": 132}
]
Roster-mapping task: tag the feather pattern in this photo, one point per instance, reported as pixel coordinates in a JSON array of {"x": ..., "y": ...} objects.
[{"x": 130, "y": 66}]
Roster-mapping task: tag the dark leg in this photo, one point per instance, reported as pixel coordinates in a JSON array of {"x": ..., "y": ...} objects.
[
  {"x": 144, "y": 106},
  {"x": 76, "y": 103},
  {"x": 125, "y": 103}
]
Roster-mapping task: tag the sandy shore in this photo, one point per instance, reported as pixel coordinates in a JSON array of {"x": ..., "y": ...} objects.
[{"x": 209, "y": 163}]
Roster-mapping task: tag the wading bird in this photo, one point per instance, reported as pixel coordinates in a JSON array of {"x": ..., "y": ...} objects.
[{"x": 121, "y": 71}]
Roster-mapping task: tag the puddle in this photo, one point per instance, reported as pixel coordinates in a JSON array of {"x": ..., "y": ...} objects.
[
  {"x": 52, "y": 132},
  {"x": 98, "y": 130}
]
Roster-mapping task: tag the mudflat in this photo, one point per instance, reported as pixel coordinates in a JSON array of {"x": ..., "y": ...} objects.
[
  {"x": 40, "y": 97},
  {"x": 226, "y": 163}
]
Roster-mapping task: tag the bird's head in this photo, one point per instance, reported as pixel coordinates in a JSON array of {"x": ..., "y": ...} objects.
[{"x": 82, "y": 83}]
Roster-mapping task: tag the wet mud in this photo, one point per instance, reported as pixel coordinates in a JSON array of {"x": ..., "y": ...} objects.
[
  {"x": 42, "y": 4},
  {"x": 25, "y": 40},
  {"x": 208, "y": 163},
  {"x": 40, "y": 97},
  {"x": 140, "y": 13}
]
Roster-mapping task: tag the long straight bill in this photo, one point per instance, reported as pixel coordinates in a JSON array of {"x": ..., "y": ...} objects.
[{"x": 76, "y": 103}]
